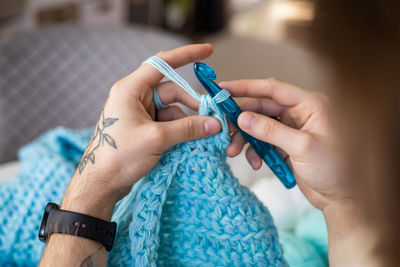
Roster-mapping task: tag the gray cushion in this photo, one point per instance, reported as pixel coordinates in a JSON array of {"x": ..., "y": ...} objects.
[{"x": 61, "y": 76}]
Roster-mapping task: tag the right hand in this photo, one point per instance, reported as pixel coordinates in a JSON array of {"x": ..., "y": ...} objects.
[{"x": 304, "y": 132}]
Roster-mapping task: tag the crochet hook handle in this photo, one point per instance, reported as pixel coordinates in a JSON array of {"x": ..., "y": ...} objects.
[{"x": 206, "y": 75}]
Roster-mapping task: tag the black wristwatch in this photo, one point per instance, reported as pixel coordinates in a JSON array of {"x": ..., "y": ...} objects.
[{"x": 60, "y": 221}]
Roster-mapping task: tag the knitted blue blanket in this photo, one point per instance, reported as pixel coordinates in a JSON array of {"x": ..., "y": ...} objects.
[
  {"x": 47, "y": 165},
  {"x": 207, "y": 218}
]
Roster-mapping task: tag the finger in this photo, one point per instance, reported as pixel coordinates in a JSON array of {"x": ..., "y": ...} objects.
[
  {"x": 189, "y": 128},
  {"x": 236, "y": 145},
  {"x": 170, "y": 113},
  {"x": 170, "y": 93},
  {"x": 268, "y": 107},
  {"x": 262, "y": 105},
  {"x": 280, "y": 92},
  {"x": 282, "y": 154},
  {"x": 292, "y": 141},
  {"x": 253, "y": 159},
  {"x": 231, "y": 127},
  {"x": 149, "y": 76}
]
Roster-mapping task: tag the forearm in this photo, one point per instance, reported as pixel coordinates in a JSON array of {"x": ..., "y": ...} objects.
[
  {"x": 68, "y": 250},
  {"x": 351, "y": 239}
]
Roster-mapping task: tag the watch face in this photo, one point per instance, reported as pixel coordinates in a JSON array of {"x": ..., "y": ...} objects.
[{"x": 42, "y": 229}]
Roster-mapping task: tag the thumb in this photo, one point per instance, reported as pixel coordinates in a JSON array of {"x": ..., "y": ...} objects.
[
  {"x": 190, "y": 128},
  {"x": 269, "y": 130}
]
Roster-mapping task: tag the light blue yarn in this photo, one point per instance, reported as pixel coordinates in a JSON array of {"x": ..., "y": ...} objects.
[
  {"x": 311, "y": 227},
  {"x": 157, "y": 100},
  {"x": 299, "y": 252},
  {"x": 47, "y": 165},
  {"x": 221, "y": 96},
  {"x": 171, "y": 74}
]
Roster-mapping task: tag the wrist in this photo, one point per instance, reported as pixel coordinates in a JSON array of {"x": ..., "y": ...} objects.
[
  {"x": 351, "y": 238},
  {"x": 90, "y": 199},
  {"x": 343, "y": 214}
]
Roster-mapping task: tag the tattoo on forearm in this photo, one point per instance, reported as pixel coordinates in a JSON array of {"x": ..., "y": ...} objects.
[
  {"x": 91, "y": 260},
  {"x": 99, "y": 137}
]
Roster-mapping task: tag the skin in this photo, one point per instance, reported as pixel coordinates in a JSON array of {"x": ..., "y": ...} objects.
[{"x": 135, "y": 143}]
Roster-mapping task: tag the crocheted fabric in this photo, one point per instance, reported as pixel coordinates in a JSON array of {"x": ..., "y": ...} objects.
[
  {"x": 47, "y": 165},
  {"x": 191, "y": 211}
]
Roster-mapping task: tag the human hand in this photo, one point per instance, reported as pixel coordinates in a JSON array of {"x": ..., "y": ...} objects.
[
  {"x": 127, "y": 142},
  {"x": 304, "y": 131}
]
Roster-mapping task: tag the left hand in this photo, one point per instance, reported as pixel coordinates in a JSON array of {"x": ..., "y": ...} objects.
[{"x": 127, "y": 142}]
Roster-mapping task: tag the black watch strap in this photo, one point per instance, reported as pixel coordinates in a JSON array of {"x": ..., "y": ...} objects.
[{"x": 60, "y": 221}]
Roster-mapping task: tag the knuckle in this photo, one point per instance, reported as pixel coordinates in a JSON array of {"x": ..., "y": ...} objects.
[
  {"x": 320, "y": 99},
  {"x": 272, "y": 83},
  {"x": 306, "y": 144},
  {"x": 161, "y": 54},
  {"x": 269, "y": 127},
  {"x": 191, "y": 129},
  {"x": 174, "y": 109},
  {"x": 115, "y": 89},
  {"x": 156, "y": 135}
]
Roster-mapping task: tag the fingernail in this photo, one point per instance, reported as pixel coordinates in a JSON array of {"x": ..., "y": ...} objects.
[
  {"x": 246, "y": 120},
  {"x": 211, "y": 126},
  {"x": 253, "y": 162}
]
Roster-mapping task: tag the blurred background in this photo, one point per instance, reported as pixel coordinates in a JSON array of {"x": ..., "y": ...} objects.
[
  {"x": 54, "y": 53},
  {"x": 58, "y": 59}
]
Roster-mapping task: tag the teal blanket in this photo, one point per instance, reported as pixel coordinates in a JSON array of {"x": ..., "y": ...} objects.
[{"x": 47, "y": 165}]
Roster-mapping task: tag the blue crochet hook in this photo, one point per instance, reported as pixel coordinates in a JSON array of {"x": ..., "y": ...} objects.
[{"x": 206, "y": 75}]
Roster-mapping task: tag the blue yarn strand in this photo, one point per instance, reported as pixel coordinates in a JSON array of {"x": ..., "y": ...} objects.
[
  {"x": 171, "y": 74},
  {"x": 221, "y": 96},
  {"x": 157, "y": 101}
]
